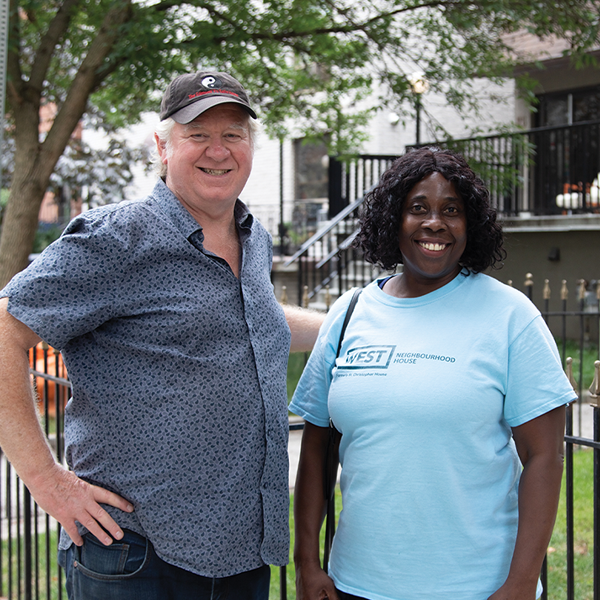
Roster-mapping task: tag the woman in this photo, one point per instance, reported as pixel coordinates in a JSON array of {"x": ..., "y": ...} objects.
[{"x": 449, "y": 395}]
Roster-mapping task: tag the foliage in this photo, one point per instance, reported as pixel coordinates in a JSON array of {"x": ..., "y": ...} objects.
[
  {"x": 45, "y": 235},
  {"x": 296, "y": 364},
  {"x": 313, "y": 63},
  {"x": 584, "y": 356},
  {"x": 303, "y": 58},
  {"x": 97, "y": 175},
  {"x": 100, "y": 175}
]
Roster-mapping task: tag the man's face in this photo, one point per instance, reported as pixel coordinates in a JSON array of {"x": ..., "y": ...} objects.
[{"x": 209, "y": 160}]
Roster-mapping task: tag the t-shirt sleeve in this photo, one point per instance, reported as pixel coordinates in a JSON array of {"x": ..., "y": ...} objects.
[
  {"x": 310, "y": 398},
  {"x": 70, "y": 289},
  {"x": 536, "y": 382}
]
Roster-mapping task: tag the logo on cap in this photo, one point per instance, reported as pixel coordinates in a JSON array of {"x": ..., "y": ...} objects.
[{"x": 210, "y": 82}]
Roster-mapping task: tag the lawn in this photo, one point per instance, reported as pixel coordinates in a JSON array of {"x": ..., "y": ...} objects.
[
  {"x": 45, "y": 573},
  {"x": 583, "y": 522}
]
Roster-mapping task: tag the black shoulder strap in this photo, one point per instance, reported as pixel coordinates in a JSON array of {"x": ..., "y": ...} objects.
[
  {"x": 349, "y": 312},
  {"x": 332, "y": 455}
]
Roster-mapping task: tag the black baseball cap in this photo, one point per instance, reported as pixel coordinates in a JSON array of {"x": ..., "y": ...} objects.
[{"x": 188, "y": 96}]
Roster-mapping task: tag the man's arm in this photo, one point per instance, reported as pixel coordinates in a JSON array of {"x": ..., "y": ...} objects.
[
  {"x": 304, "y": 325},
  {"x": 57, "y": 491}
]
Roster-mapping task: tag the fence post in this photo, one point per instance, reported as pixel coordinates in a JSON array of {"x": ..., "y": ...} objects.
[
  {"x": 27, "y": 554},
  {"x": 594, "y": 398},
  {"x": 569, "y": 500},
  {"x": 529, "y": 285}
]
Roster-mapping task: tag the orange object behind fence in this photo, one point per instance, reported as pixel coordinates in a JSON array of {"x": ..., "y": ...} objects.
[{"x": 53, "y": 386}]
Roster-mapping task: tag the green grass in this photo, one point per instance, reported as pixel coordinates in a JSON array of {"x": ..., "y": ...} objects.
[
  {"x": 583, "y": 522},
  {"x": 47, "y": 571}
]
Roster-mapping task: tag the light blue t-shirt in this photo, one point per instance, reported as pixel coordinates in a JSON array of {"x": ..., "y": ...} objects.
[{"x": 425, "y": 393}]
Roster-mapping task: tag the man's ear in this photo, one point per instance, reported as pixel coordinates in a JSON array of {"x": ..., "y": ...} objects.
[{"x": 161, "y": 148}]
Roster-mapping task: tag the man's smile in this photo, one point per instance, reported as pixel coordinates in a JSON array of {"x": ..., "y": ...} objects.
[{"x": 215, "y": 171}]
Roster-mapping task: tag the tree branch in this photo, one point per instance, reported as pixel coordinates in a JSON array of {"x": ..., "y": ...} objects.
[
  {"x": 14, "y": 50},
  {"x": 89, "y": 76},
  {"x": 283, "y": 36},
  {"x": 56, "y": 30}
]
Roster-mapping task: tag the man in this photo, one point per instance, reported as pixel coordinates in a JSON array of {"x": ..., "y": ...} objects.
[{"x": 176, "y": 435}]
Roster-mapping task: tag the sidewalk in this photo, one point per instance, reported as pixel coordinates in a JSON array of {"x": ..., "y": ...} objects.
[{"x": 583, "y": 426}]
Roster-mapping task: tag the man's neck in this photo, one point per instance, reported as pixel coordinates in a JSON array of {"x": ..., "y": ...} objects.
[{"x": 221, "y": 238}]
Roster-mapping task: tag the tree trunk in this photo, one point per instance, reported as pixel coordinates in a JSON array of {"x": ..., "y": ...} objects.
[
  {"x": 35, "y": 160},
  {"x": 19, "y": 226},
  {"x": 29, "y": 184}
]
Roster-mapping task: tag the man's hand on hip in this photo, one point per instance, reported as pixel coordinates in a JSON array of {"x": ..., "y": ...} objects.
[{"x": 69, "y": 499}]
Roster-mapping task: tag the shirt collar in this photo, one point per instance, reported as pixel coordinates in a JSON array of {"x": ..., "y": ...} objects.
[{"x": 183, "y": 220}]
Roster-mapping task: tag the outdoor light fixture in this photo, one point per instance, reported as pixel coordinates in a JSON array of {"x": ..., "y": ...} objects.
[
  {"x": 394, "y": 118},
  {"x": 419, "y": 85}
]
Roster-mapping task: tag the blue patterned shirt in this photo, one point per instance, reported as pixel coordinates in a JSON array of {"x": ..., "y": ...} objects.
[{"x": 178, "y": 375}]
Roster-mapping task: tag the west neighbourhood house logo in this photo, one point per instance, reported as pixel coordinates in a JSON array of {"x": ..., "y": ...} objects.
[
  {"x": 368, "y": 357},
  {"x": 410, "y": 358},
  {"x": 380, "y": 357}
]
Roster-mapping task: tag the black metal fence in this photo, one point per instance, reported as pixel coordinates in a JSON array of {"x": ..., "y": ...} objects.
[
  {"x": 542, "y": 171},
  {"x": 28, "y": 568}
]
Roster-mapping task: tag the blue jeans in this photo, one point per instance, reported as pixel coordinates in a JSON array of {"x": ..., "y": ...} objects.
[{"x": 129, "y": 569}]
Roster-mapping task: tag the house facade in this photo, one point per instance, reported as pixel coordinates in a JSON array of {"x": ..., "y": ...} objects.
[{"x": 552, "y": 218}]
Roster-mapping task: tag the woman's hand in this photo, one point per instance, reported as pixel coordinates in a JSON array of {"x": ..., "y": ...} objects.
[
  {"x": 312, "y": 583},
  {"x": 510, "y": 591}
]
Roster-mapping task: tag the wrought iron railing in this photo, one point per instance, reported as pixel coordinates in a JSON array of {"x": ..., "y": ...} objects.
[
  {"x": 543, "y": 171},
  {"x": 327, "y": 260},
  {"x": 28, "y": 536},
  {"x": 549, "y": 171}
]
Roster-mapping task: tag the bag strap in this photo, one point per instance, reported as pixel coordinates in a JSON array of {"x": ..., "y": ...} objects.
[
  {"x": 332, "y": 456},
  {"x": 349, "y": 312}
]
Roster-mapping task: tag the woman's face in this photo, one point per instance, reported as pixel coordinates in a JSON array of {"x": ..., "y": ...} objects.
[{"x": 433, "y": 235}]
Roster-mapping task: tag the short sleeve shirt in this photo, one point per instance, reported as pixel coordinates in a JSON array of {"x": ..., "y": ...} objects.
[
  {"x": 178, "y": 374},
  {"x": 425, "y": 392}
]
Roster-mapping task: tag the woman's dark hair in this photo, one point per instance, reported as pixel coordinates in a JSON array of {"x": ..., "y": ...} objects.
[{"x": 382, "y": 210}]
